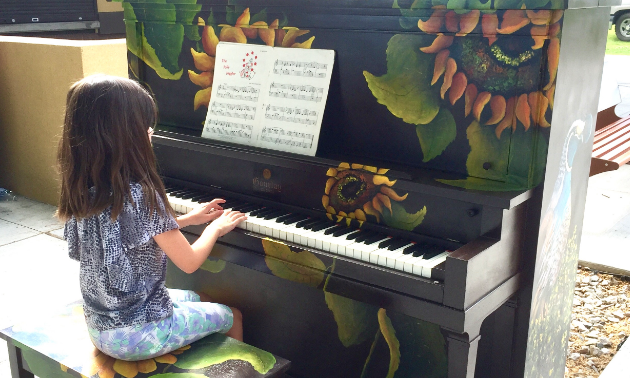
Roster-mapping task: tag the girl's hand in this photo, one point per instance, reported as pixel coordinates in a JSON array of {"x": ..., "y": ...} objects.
[
  {"x": 204, "y": 213},
  {"x": 227, "y": 221}
]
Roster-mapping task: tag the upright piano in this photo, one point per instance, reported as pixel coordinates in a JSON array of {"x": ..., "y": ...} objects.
[{"x": 407, "y": 247}]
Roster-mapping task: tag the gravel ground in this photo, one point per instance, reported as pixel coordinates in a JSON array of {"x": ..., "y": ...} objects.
[{"x": 600, "y": 322}]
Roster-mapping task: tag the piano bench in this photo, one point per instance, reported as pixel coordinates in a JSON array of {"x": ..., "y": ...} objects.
[
  {"x": 611, "y": 146},
  {"x": 59, "y": 347}
]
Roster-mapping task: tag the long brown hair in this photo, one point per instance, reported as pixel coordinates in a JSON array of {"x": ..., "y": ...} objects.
[{"x": 105, "y": 146}]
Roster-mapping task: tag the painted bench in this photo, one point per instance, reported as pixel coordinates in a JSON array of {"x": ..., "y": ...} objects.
[
  {"x": 59, "y": 347},
  {"x": 611, "y": 146}
]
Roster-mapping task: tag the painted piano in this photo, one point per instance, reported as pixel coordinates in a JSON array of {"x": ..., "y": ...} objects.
[{"x": 435, "y": 232}]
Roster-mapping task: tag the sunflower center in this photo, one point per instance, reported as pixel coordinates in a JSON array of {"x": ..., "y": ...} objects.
[
  {"x": 509, "y": 67},
  {"x": 350, "y": 188}
]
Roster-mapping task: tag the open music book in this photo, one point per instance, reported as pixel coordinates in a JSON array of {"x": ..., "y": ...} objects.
[{"x": 269, "y": 97}]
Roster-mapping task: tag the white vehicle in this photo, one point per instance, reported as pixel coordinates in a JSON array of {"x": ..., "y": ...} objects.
[{"x": 620, "y": 18}]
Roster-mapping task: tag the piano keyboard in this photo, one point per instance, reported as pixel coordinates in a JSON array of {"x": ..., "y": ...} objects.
[{"x": 322, "y": 234}]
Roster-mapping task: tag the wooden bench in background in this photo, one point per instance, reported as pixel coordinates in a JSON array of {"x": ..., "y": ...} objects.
[
  {"x": 59, "y": 347},
  {"x": 611, "y": 143}
]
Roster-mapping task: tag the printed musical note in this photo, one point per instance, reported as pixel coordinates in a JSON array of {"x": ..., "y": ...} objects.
[
  {"x": 304, "y": 69},
  {"x": 233, "y": 110},
  {"x": 278, "y": 136},
  {"x": 296, "y": 92},
  {"x": 236, "y": 92},
  {"x": 293, "y": 115},
  {"x": 229, "y": 129}
]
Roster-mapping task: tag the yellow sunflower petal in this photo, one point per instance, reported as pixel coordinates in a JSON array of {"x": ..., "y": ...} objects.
[
  {"x": 351, "y": 215},
  {"x": 63, "y": 367},
  {"x": 204, "y": 79},
  {"x": 513, "y": 20},
  {"x": 146, "y": 366},
  {"x": 202, "y": 98},
  {"x": 359, "y": 214},
  {"x": 268, "y": 36},
  {"x": 469, "y": 96},
  {"x": 480, "y": 103},
  {"x": 507, "y": 119},
  {"x": 553, "y": 57},
  {"x": 451, "y": 69},
  {"x": 127, "y": 369},
  {"x": 458, "y": 86},
  {"x": 497, "y": 104},
  {"x": 343, "y": 166},
  {"x": 440, "y": 43},
  {"x": 325, "y": 201},
  {"x": 106, "y": 373},
  {"x": 369, "y": 168},
  {"x": 177, "y": 352},
  {"x": 274, "y": 24},
  {"x": 203, "y": 61},
  {"x": 97, "y": 363},
  {"x": 382, "y": 171},
  {"x": 332, "y": 172},
  {"x": 523, "y": 111},
  {"x": 331, "y": 181},
  {"x": 376, "y": 204},
  {"x": 541, "y": 17},
  {"x": 389, "y": 192},
  {"x": 331, "y": 210},
  {"x": 243, "y": 19},
  {"x": 166, "y": 359},
  {"x": 549, "y": 94},
  {"x": 339, "y": 218},
  {"x": 385, "y": 200},
  {"x": 232, "y": 34},
  {"x": 329, "y": 216},
  {"x": 468, "y": 22},
  {"x": 369, "y": 209},
  {"x": 439, "y": 66},
  {"x": 382, "y": 180},
  {"x": 434, "y": 23},
  {"x": 304, "y": 45},
  {"x": 342, "y": 213},
  {"x": 250, "y": 33},
  {"x": 209, "y": 40},
  {"x": 292, "y": 34},
  {"x": 361, "y": 223}
]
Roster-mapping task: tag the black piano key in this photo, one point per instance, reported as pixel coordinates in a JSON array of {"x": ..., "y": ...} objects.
[
  {"x": 374, "y": 238},
  {"x": 323, "y": 226},
  {"x": 322, "y": 222},
  {"x": 410, "y": 249},
  {"x": 261, "y": 212},
  {"x": 331, "y": 230},
  {"x": 397, "y": 243},
  {"x": 296, "y": 218},
  {"x": 283, "y": 217},
  {"x": 248, "y": 208},
  {"x": 343, "y": 231},
  {"x": 306, "y": 222},
  {"x": 431, "y": 254},
  {"x": 274, "y": 214},
  {"x": 386, "y": 243},
  {"x": 363, "y": 236},
  {"x": 354, "y": 235}
]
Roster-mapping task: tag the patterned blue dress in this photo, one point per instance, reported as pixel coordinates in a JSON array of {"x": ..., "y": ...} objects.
[{"x": 130, "y": 313}]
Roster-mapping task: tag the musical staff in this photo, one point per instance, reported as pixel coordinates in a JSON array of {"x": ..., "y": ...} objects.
[
  {"x": 279, "y": 137},
  {"x": 229, "y": 129},
  {"x": 236, "y": 92},
  {"x": 293, "y": 115},
  {"x": 233, "y": 110},
  {"x": 296, "y": 92},
  {"x": 303, "y": 69}
]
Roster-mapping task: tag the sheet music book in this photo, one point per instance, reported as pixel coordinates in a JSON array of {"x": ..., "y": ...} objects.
[{"x": 269, "y": 97}]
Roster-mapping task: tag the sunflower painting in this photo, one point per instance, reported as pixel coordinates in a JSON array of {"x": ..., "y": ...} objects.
[
  {"x": 356, "y": 191},
  {"x": 489, "y": 72},
  {"x": 241, "y": 32}
]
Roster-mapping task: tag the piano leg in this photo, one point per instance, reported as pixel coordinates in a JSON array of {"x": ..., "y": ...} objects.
[{"x": 462, "y": 355}]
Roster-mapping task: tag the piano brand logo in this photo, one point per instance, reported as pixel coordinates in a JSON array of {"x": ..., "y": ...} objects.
[{"x": 264, "y": 183}]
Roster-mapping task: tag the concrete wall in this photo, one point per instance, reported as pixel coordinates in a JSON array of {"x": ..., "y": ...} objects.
[{"x": 35, "y": 74}]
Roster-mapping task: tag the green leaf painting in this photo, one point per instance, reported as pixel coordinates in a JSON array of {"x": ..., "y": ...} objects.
[
  {"x": 303, "y": 267},
  {"x": 213, "y": 266},
  {"x": 218, "y": 348},
  {"x": 436, "y": 135},
  {"x": 406, "y": 87},
  {"x": 41, "y": 365},
  {"x": 356, "y": 321},
  {"x": 401, "y": 219},
  {"x": 387, "y": 329}
]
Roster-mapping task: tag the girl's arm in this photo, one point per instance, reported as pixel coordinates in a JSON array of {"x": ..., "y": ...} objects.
[
  {"x": 204, "y": 213},
  {"x": 190, "y": 257}
]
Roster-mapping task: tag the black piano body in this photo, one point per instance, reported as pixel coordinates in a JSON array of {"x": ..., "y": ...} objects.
[{"x": 436, "y": 132}]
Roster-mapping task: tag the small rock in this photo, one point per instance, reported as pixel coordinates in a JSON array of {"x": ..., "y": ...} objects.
[
  {"x": 574, "y": 356},
  {"x": 605, "y": 351},
  {"x": 583, "y": 350},
  {"x": 605, "y": 341},
  {"x": 619, "y": 314},
  {"x": 605, "y": 283},
  {"x": 590, "y": 342},
  {"x": 613, "y": 319},
  {"x": 594, "y": 278},
  {"x": 594, "y": 351}
]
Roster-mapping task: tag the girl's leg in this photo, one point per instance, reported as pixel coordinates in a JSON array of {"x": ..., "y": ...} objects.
[{"x": 236, "y": 332}]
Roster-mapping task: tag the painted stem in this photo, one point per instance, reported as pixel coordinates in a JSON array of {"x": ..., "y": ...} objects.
[{"x": 369, "y": 357}]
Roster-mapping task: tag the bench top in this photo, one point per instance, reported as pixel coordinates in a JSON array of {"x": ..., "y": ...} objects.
[
  {"x": 611, "y": 146},
  {"x": 58, "y": 346}
]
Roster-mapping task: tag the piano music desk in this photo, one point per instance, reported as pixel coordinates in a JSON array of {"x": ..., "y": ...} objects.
[{"x": 59, "y": 347}]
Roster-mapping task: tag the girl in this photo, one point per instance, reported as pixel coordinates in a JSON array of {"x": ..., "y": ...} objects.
[{"x": 119, "y": 225}]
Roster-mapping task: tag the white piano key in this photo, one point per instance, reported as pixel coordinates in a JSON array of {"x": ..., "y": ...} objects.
[{"x": 431, "y": 263}]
